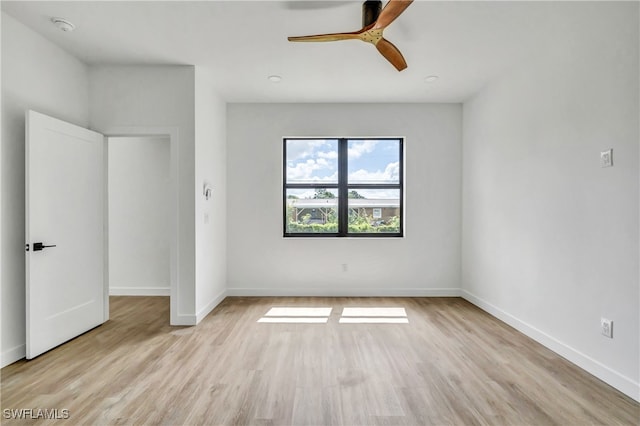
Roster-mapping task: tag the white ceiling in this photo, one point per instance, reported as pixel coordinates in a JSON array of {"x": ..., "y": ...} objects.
[{"x": 243, "y": 42}]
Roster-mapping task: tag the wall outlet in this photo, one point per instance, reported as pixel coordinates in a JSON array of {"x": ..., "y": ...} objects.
[
  {"x": 606, "y": 158},
  {"x": 345, "y": 267},
  {"x": 606, "y": 327}
]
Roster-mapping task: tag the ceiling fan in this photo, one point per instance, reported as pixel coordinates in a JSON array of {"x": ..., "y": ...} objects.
[{"x": 374, "y": 21}]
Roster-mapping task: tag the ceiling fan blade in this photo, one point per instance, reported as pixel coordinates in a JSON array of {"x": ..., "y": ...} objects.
[
  {"x": 327, "y": 37},
  {"x": 391, "y": 53},
  {"x": 391, "y": 11}
]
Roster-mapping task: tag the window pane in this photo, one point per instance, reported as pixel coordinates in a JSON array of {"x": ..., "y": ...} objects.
[
  {"x": 312, "y": 210},
  {"x": 374, "y": 161},
  {"x": 312, "y": 161},
  {"x": 374, "y": 210}
]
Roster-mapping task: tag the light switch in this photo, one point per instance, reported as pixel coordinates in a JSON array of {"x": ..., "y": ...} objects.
[{"x": 606, "y": 158}]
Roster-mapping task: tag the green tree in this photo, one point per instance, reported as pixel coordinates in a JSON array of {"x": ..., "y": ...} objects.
[
  {"x": 354, "y": 194},
  {"x": 322, "y": 193}
]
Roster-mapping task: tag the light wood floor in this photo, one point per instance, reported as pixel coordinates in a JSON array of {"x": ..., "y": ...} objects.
[{"x": 452, "y": 364}]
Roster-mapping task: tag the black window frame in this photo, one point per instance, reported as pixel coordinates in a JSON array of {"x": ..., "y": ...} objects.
[{"x": 343, "y": 190}]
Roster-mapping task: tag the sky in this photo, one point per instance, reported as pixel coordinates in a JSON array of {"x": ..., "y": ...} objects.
[{"x": 370, "y": 161}]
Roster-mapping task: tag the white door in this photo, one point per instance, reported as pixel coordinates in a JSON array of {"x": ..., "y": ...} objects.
[{"x": 65, "y": 293}]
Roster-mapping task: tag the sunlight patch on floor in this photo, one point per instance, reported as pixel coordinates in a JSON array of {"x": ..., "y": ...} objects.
[
  {"x": 374, "y": 315},
  {"x": 374, "y": 312},
  {"x": 282, "y": 311},
  {"x": 299, "y": 315},
  {"x": 320, "y": 315},
  {"x": 295, "y": 320},
  {"x": 374, "y": 320}
]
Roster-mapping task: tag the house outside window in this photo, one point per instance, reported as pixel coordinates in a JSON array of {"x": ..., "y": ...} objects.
[{"x": 343, "y": 187}]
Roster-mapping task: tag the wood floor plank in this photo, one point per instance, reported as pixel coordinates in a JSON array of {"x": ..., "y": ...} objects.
[{"x": 451, "y": 364}]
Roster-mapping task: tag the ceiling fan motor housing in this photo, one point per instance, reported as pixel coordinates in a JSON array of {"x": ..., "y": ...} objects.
[{"x": 370, "y": 11}]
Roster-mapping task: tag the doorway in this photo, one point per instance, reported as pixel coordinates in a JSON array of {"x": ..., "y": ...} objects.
[
  {"x": 142, "y": 213},
  {"x": 138, "y": 215}
]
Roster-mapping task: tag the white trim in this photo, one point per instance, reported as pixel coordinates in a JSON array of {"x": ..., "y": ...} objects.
[
  {"x": 202, "y": 313},
  {"x": 12, "y": 355},
  {"x": 624, "y": 384},
  {"x": 182, "y": 319},
  {"x": 2, "y": 357},
  {"x": 345, "y": 292},
  {"x": 140, "y": 291},
  {"x": 106, "y": 310}
]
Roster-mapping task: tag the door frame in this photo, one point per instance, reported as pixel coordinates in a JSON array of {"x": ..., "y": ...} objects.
[{"x": 172, "y": 134}]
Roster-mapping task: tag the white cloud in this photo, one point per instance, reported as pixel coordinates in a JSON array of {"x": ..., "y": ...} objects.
[
  {"x": 323, "y": 162},
  {"x": 332, "y": 178},
  {"x": 305, "y": 171},
  {"x": 391, "y": 173},
  {"x": 330, "y": 155},
  {"x": 379, "y": 194},
  {"x": 300, "y": 149},
  {"x": 358, "y": 148},
  {"x": 302, "y": 193}
]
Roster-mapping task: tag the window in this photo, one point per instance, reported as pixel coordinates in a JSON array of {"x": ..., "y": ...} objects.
[{"x": 343, "y": 187}]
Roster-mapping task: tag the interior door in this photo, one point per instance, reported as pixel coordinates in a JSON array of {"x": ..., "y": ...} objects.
[{"x": 65, "y": 234}]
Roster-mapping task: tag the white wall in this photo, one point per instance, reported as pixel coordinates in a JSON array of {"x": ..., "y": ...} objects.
[
  {"x": 425, "y": 262},
  {"x": 211, "y": 218},
  {"x": 139, "y": 216},
  {"x": 157, "y": 97},
  {"x": 35, "y": 75},
  {"x": 550, "y": 238}
]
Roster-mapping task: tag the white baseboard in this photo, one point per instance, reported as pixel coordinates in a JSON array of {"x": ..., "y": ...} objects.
[
  {"x": 202, "y": 313},
  {"x": 139, "y": 291},
  {"x": 345, "y": 292},
  {"x": 624, "y": 384},
  {"x": 188, "y": 319},
  {"x": 184, "y": 320},
  {"x": 12, "y": 355}
]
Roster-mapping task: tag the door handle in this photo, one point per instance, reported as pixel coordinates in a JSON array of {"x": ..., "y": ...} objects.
[{"x": 40, "y": 246}]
